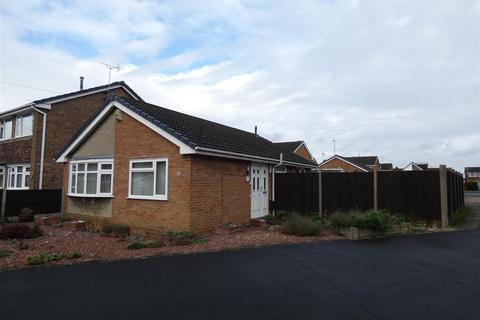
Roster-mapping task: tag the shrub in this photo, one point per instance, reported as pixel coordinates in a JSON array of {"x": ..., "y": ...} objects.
[
  {"x": 19, "y": 231},
  {"x": 154, "y": 244},
  {"x": 200, "y": 241},
  {"x": 179, "y": 234},
  {"x": 135, "y": 245},
  {"x": 116, "y": 230},
  {"x": 26, "y": 215},
  {"x": 73, "y": 255},
  {"x": 471, "y": 186},
  {"x": 372, "y": 220},
  {"x": 36, "y": 260},
  {"x": 4, "y": 253},
  {"x": 301, "y": 226},
  {"x": 49, "y": 257}
]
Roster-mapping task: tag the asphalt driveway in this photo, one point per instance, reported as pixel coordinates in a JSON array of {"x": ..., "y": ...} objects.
[{"x": 434, "y": 276}]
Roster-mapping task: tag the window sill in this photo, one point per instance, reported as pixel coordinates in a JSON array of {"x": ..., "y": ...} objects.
[
  {"x": 148, "y": 198},
  {"x": 89, "y": 195}
]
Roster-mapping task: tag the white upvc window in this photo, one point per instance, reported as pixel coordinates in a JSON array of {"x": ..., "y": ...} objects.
[
  {"x": 24, "y": 126},
  {"x": 148, "y": 179},
  {"x": 5, "y": 129},
  {"x": 91, "y": 178},
  {"x": 18, "y": 177},
  {"x": 3, "y": 176}
]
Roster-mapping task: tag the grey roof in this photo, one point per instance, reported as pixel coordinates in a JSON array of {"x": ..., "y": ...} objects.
[
  {"x": 365, "y": 160},
  {"x": 289, "y": 145},
  {"x": 386, "y": 166},
  {"x": 349, "y": 159},
  {"x": 472, "y": 169},
  {"x": 103, "y": 87},
  {"x": 200, "y": 133}
]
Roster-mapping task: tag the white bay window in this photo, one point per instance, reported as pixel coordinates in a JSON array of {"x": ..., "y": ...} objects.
[
  {"x": 92, "y": 178},
  {"x": 148, "y": 179}
]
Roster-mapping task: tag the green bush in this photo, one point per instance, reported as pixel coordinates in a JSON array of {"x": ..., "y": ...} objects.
[
  {"x": 179, "y": 234},
  {"x": 461, "y": 216},
  {"x": 19, "y": 231},
  {"x": 49, "y": 257},
  {"x": 73, "y": 255},
  {"x": 36, "y": 260},
  {"x": 372, "y": 220},
  {"x": 301, "y": 226},
  {"x": 5, "y": 253},
  {"x": 471, "y": 186},
  {"x": 135, "y": 245},
  {"x": 154, "y": 244},
  {"x": 116, "y": 230}
]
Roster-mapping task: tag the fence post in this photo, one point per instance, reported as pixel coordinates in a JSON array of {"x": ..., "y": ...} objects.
[
  {"x": 4, "y": 205},
  {"x": 320, "y": 192},
  {"x": 375, "y": 188},
  {"x": 443, "y": 195}
]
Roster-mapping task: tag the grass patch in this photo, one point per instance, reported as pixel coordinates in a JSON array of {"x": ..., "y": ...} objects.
[
  {"x": 301, "y": 226},
  {"x": 5, "y": 253},
  {"x": 200, "y": 241},
  {"x": 36, "y": 260},
  {"x": 73, "y": 255},
  {"x": 461, "y": 216},
  {"x": 179, "y": 234},
  {"x": 372, "y": 220},
  {"x": 135, "y": 246}
]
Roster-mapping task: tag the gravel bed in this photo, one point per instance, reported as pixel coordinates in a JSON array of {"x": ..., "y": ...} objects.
[{"x": 94, "y": 246}]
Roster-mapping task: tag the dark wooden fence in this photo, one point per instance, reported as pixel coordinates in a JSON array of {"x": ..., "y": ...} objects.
[
  {"x": 40, "y": 201},
  {"x": 413, "y": 193}
]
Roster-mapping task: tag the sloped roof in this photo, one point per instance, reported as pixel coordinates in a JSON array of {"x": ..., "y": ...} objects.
[
  {"x": 365, "y": 160},
  {"x": 472, "y": 169},
  {"x": 86, "y": 91},
  {"x": 200, "y": 134},
  {"x": 289, "y": 145},
  {"x": 348, "y": 160},
  {"x": 386, "y": 166}
]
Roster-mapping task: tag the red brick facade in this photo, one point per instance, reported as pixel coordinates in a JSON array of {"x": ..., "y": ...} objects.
[{"x": 203, "y": 192}]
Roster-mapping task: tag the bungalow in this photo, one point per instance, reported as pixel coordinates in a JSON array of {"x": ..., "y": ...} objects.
[
  {"x": 156, "y": 169},
  {"x": 350, "y": 164}
]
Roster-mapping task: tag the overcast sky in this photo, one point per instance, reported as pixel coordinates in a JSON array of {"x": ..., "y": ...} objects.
[{"x": 397, "y": 79}]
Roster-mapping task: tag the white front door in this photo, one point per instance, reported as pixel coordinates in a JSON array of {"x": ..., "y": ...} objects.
[{"x": 259, "y": 187}]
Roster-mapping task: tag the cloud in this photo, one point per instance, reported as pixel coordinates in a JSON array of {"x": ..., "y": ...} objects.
[{"x": 398, "y": 79}]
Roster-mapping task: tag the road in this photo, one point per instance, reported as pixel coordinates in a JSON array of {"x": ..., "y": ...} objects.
[{"x": 434, "y": 276}]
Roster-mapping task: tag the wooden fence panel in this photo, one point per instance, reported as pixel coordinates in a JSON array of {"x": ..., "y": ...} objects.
[
  {"x": 343, "y": 191},
  {"x": 296, "y": 192},
  {"x": 413, "y": 193},
  {"x": 40, "y": 201}
]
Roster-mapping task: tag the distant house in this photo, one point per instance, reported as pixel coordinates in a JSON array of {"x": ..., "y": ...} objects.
[
  {"x": 31, "y": 135},
  {"x": 472, "y": 174},
  {"x": 157, "y": 169},
  {"x": 416, "y": 166},
  {"x": 350, "y": 164},
  {"x": 296, "y": 147},
  {"x": 386, "y": 167}
]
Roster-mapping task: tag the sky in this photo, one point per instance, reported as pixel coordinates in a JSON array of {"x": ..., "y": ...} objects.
[{"x": 397, "y": 79}]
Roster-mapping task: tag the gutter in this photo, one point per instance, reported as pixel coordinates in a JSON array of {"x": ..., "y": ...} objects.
[
  {"x": 273, "y": 179},
  {"x": 42, "y": 150}
]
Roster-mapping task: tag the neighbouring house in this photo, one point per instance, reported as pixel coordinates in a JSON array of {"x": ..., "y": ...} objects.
[
  {"x": 153, "y": 168},
  {"x": 297, "y": 147},
  {"x": 386, "y": 166},
  {"x": 472, "y": 174},
  {"x": 416, "y": 166},
  {"x": 31, "y": 135},
  {"x": 339, "y": 163}
]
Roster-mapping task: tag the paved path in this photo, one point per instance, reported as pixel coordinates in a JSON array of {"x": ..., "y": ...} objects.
[{"x": 432, "y": 276}]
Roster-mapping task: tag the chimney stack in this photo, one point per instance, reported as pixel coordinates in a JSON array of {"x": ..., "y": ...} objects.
[
  {"x": 255, "y": 130},
  {"x": 81, "y": 83}
]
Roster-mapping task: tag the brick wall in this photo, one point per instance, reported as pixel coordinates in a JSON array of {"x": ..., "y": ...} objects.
[
  {"x": 63, "y": 120},
  {"x": 203, "y": 192},
  {"x": 17, "y": 150},
  {"x": 339, "y": 164},
  {"x": 220, "y": 193}
]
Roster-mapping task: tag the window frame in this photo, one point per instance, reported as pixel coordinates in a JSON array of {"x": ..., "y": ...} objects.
[
  {"x": 21, "y": 122},
  {"x": 154, "y": 161},
  {"x": 3, "y": 174},
  {"x": 12, "y": 174},
  {"x": 99, "y": 172},
  {"x": 3, "y": 125}
]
